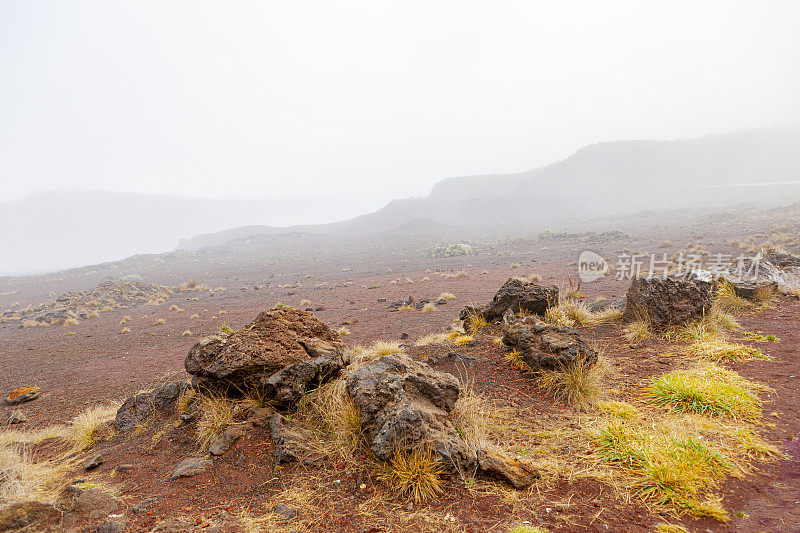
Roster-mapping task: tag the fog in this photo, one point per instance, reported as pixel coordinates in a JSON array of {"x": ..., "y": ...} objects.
[{"x": 356, "y": 102}]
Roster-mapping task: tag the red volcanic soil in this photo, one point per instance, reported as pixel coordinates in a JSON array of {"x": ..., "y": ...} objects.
[{"x": 93, "y": 361}]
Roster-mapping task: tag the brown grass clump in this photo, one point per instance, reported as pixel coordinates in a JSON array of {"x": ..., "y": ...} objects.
[
  {"x": 432, "y": 338},
  {"x": 333, "y": 418},
  {"x": 514, "y": 358},
  {"x": 557, "y": 317},
  {"x": 416, "y": 474},
  {"x": 159, "y": 322},
  {"x": 92, "y": 425},
  {"x": 343, "y": 331},
  {"x": 125, "y": 330},
  {"x": 726, "y": 299},
  {"x": 717, "y": 350},
  {"x": 638, "y": 330},
  {"x": 475, "y": 322},
  {"x": 579, "y": 384},
  {"x": 217, "y": 414},
  {"x": 125, "y": 320}
]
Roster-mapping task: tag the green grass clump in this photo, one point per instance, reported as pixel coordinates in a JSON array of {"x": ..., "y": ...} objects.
[
  {"x": 708, "y": 390},
  {"x": 667, "y": 466}
]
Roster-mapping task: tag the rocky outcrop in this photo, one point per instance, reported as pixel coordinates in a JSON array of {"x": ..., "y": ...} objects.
[
  {"x": 283, "y": 351},
  {"x": 159, "y": 401},
  {"x": 669, "y": 301},
  {"x": 545, "y": 346},
  {"x": 750, "y": 289},
  {"x": 404, "y": 405},
  {"x": 783, "y": 260},
  {"x": 516, "y": 295}
]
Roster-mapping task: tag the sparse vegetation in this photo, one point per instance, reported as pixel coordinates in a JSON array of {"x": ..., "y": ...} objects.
[
  {"x": 217, "y": 414},
  {"x": 416, "y": 474},
  {"x": 706, "y": 389},
  {"x": 579, "y": 384},
  {"x": 429, "y": 307}
]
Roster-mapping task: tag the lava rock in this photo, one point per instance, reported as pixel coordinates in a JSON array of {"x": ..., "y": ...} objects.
[
  {"x": 543, "y": 345},
  {"x": 161, "y": 400},
  {"x": 669, "y": 301},
  {"x": 405, "y": 404},
  {"x": 516, "y": 295}
]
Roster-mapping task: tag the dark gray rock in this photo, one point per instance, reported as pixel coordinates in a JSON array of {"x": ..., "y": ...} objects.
[
  {"x": 284, "y": 511},
  {"x": 516, "y": 295},
  {"x": 610, "y": 303},
  {"x": 159, "y": 401},
  {"x": 227, "y": 439},
  {"x": 405, "y": 404},
  {"x": 191, "y": 466},
  {"x": 111, "y": 526},
  {"x": 94, "y": 462},
  {"x": 545, "y": 346},
  {"x": 516, "y": 472},
  {"x": 290, "y": 440},
  {"x": 16, "y": 417},
  {"x": 671, "y": 301},
  {"x": 27, "y": 516}
]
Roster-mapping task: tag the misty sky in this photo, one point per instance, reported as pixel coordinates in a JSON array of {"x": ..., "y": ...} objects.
[{"x": 369, "y": 100}]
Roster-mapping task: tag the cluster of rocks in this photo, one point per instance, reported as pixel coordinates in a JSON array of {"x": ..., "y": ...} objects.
[
  {"x": 78, "y": 502},
  {"x": 80, "y": 304},
  {"x": 411, "y": 302}
]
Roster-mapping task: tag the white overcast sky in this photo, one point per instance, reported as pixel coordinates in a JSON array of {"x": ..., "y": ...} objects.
[{"x": 369, "y": 100}]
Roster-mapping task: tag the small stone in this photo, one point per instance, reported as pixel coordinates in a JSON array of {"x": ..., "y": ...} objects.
[
  {"x": 284, "y": 511},
  {"x": 17, "y": 417},
  {"x": 94, "y": 462},
  {"x": 124, "y": 467},
  {"x": 111, "y": 526},
  {"x": 404, "y": 335},
  {"x": 191, "y": 466},
  {"x": 23, "y": 394}
]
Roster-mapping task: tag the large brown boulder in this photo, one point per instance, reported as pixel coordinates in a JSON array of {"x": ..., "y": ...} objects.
[
  {"x": 283, "y": 351},
  {"x": 517, "y": 295},
  {"x": 405, "y": 404},
  {"x": 670, "y": 301},
  {"x": 545, "y": 346}
]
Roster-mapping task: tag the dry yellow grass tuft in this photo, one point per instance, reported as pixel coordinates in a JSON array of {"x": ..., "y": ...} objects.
[
  {"x": 429, "y": 307},
  {"x": 416, "y": 474},
  {"x": 717, "y": 350},
  {"x": 726, "y": 299},
  {"x": 432, "y": 338},
  {"x": 92, "y": 425},
  {"x": 579, "y": 384},
  {"x": 638, "y": 330},
  {"x": 217, "y": 414}
]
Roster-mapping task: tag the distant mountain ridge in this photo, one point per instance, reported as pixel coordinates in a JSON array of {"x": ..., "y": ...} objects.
[
  {"x": 751, "y": 156},
  {"x": 57, "y": 230}
]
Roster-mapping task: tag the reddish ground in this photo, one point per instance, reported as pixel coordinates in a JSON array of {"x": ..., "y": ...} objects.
[{"x": 93, "y": 361}]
